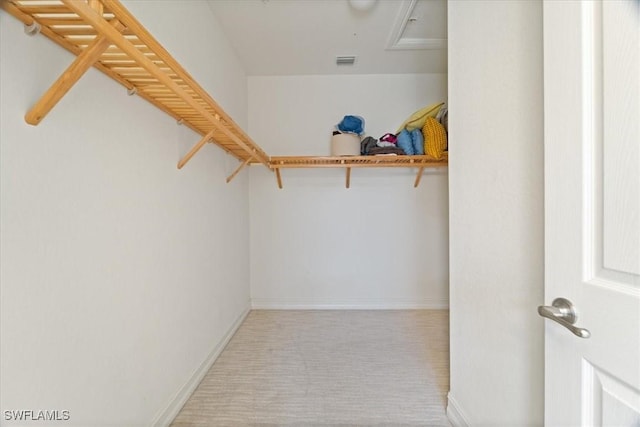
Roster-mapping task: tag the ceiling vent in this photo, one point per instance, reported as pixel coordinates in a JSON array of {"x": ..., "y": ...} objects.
[{"x": 345, "y": 60}]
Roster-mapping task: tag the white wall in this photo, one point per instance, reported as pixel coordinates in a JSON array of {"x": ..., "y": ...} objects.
[
  {"x": 379, "y": 244},
  {"x": 120, "y": 274},
  {"x": 496, "y": 212}
]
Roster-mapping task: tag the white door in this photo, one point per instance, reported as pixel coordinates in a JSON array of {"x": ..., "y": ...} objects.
[{"x": 592, "y": 210}]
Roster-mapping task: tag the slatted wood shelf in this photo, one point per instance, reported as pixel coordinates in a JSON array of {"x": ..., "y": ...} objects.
[
  {"x": 348, "y": 162},
  {"x": 105, "y": 35}
]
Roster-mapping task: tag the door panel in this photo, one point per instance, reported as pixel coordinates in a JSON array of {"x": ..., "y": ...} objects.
[
  {"x": 611, "y": 400},
  {"x": 592, "y": 210},
  {"x": 621, "y": 102}
]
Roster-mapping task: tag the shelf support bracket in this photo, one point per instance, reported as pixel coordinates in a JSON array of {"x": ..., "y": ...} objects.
[
  {"x": 418, "y": 177},
  {"x": 195, "y": 149},
  {"x": 279, "y": 178},
  {"x": 348, "y": 183},
  {"x": 32, "y": 29},
  {"x": 239, "y": 168},
  {"x": 65, "y": 82}
]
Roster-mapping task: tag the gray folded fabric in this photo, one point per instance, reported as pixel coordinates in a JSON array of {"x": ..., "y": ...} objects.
[{"x": 367, "y": 144}]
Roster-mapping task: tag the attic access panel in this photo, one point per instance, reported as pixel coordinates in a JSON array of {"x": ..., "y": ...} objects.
[{"x": 420, "y": 25}]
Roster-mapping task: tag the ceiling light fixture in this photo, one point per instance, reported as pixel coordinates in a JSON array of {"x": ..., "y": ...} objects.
[{"x": 362, "y": 5}]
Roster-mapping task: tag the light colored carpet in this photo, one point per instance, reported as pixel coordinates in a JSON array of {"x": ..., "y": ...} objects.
[{"x": 340, "y": 367}]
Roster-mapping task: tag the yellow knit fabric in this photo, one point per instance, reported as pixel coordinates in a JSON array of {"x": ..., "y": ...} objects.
[{"x": 435, "y": 138}]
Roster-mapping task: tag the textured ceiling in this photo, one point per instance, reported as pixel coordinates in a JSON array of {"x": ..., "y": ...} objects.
[{"x": 297, "y": 37}]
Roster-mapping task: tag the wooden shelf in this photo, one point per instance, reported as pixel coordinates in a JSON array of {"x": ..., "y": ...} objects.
[
  {"x": 348, "y": 162},
  {"x": 103, "y": 34}
]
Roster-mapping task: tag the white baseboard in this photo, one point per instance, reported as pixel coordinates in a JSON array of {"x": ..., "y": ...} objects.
[
  {"x": 455, "y": 414},
  {"x": 166, "y": 416},
  {"x": 342, "y": 304}
]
